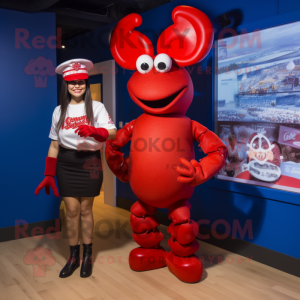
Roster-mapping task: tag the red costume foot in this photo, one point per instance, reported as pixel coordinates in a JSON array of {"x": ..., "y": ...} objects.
[
  {"x": 187, "y": 269},
  {"x": 144, "y": 259},
  {"x": 181, "y": 260},
  {"x": 144, "y": 224}
]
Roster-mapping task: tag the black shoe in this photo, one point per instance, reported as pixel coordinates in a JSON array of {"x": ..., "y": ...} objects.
[
  {"x": 73, "y": 262},
  {"x": 87, "y": 261}
]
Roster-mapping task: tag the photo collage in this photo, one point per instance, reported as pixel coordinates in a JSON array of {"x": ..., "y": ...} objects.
[{"x": 257, "y": 98}]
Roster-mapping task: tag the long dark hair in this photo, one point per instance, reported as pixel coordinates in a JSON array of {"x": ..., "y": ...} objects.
[{"x": 65, "y": 98}]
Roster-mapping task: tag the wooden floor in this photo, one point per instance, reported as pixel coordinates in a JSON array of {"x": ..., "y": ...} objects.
[{"x": 235, "y": 278}]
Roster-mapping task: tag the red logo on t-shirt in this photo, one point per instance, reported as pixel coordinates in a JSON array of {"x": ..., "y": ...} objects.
[
  {"x": 110, "y": 121},
  {"x": 73, "y": 123}
]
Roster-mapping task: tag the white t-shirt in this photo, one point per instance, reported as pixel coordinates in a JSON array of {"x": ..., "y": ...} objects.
[{"x": 75, "y": 117}]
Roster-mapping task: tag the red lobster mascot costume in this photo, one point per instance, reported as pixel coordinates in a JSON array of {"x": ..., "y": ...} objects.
[{"x": 161, "y": 168}]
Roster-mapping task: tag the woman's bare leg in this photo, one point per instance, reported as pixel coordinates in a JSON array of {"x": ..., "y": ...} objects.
[
  {"x": 87, "y": 219},
  {"x": 72, "y": 218}
]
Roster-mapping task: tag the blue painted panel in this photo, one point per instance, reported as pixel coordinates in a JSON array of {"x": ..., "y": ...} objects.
[
  {"x": 28, "y": 100},
  {"x": 285, "y": 6}
]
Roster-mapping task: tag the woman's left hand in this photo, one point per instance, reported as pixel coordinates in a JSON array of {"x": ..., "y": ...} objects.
[
  {"x": 99, "y": 134},
  {"x": 84, "y": 130}
]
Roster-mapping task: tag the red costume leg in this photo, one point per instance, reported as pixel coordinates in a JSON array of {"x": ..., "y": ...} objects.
[
  {"x": 144, "y": 225},
  {"x": 181, "y": 260}
]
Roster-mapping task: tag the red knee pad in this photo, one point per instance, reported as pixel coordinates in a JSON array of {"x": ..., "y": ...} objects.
[
  {"x": 184, "y": 233},
  {"x": 179, "y": 212},
  {"x": 141, "y": 225},
  {"x": 183, "y": 250},
  {"x": 148, "y": 240},
  {"x": 141, "y": 209}
]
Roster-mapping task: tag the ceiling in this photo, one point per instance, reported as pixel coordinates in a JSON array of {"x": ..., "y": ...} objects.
[{"x": 76, "y": 17}]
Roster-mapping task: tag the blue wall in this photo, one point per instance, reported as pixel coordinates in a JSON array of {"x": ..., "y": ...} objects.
[
  {"x": 272, "y": 214},
  {"x": 27, "y": 105}
]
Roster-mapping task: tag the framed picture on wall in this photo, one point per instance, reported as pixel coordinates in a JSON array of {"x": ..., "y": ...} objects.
[{"x": 257, "y": 106}]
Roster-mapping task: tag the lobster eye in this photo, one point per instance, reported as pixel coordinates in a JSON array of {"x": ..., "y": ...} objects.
[
  {"x": 163, "y": 63},
  {"x": 144, "y": 64}
]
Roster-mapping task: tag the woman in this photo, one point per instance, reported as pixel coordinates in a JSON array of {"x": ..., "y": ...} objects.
[{"x": 79, "y": 127}]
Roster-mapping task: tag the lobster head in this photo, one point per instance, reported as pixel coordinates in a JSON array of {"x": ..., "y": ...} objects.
[{"x": 161, "y": 84}]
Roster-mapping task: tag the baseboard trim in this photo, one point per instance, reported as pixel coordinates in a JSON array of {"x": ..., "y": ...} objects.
[
  {"x": 23, "y": 229},
  {"x": 257, "y": 253}
]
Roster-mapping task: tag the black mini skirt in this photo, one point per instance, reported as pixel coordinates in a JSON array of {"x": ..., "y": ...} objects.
[{"x": 79, "y": 173}]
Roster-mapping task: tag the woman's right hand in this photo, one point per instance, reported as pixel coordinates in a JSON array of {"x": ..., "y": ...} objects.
[
  {"x": 49, "y": 173},
  {"x": 48, "y": 182}
]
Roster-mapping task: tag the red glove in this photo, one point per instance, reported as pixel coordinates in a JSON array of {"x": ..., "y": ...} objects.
[
  {"x": 192, "y": 174},
  {"x": 99, "y": 134},
  {"x": 49, "y": 181},
  {"x": 196, "y": 172}
]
